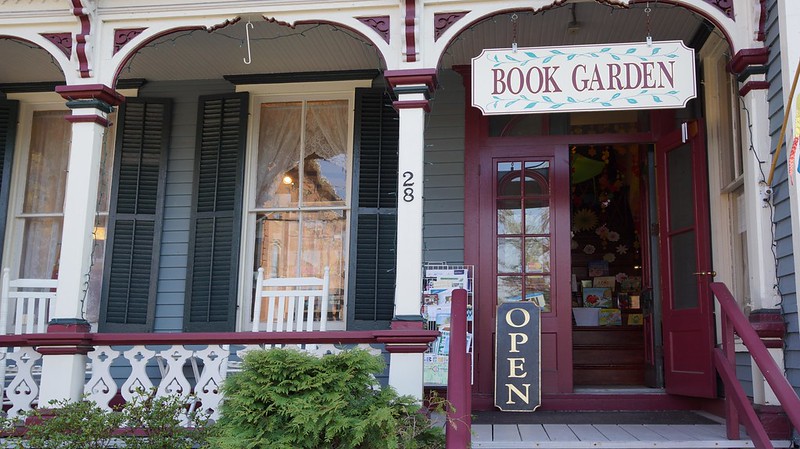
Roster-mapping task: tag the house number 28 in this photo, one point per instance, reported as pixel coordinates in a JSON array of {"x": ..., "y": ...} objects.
[{"x": 408, "y": 186}]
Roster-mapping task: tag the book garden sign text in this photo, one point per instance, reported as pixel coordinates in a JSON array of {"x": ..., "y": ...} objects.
[{"x": 583, "y": 78}]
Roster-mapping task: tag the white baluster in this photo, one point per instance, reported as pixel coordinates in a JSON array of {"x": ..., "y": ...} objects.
[
  {"x": 101, "y": 387},
  {"x": 138, "y": 357},
  {"x": 215, "y": 359},
  {"x": 23, "y": 390},
  {"x": 174, "y": 381}
]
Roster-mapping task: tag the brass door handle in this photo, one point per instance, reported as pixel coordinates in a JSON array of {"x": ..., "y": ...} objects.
[{"x": 706, "y": 273}]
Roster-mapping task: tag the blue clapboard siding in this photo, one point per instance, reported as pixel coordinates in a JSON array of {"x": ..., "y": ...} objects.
[
  {"x": 782, "y": 216},
  {"x": 443, "y": 206},
  {"x": 744, "y": 366},
  {"x": 178, "y": 201}
]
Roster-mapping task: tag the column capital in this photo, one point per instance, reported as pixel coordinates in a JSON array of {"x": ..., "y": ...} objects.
[
  {"x": 101, "y": 92},
  {"x": 413, "y": 87},
  {"x": 750, "y": 67},
  {"x": 98, "y": 97},
  {"x": 410, "y": 77}
]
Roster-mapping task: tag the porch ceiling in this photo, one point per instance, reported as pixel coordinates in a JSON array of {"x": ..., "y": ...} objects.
[
  {"x": 197, "y": 54},
  {"x": 592, "y": 23}
]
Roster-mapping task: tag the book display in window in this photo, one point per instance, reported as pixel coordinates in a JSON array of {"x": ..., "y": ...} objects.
[
  {"x": 609, "y": 317},
  {"x": 597, "y": 297}
]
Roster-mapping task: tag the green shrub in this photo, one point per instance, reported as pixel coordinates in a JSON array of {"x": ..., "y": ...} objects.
[
  {"x": 287, "y": 399},
  {"x": 156, "y": 423},
  {"x": 144, "y": 423},
  {"x": 71, "y": 425}
]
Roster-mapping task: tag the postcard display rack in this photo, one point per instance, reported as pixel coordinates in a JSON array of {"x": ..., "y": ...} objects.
[{"x": 440, "y": 280}]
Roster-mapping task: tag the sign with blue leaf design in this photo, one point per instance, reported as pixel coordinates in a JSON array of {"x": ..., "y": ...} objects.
[{"x": 584, "y": 78}]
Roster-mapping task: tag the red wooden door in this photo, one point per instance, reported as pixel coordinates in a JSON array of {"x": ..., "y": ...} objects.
[
  {"x": 688, "y": 325},
  {"x": 524, "y": 234}
]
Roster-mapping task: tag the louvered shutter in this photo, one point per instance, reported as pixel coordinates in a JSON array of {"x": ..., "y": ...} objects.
[
  {"x": 8, "y": 128},
  {"x": 216, "y": 218},
  {"x": 372, "y": 252},
  {"x": 137, "y": 204}
]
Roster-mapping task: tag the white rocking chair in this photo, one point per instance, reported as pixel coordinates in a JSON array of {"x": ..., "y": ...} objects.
[
  {"x": 291, "y": 303},
  {"x": 26, "y": 302}
]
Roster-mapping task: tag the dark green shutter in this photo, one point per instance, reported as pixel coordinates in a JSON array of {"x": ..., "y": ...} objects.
[
  {"x": 372, "y": 252},
  {"x": 216, "y": 219},
  {"x": 135, "y": 219},
  {"x": 8, "y": 133}
]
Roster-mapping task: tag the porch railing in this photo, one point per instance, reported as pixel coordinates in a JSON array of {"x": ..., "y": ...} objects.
[
  {"x": 737, "y": 405},
  {"x": 120, "y": 366}
]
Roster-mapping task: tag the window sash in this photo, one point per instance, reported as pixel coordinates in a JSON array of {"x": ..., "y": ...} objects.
[{"x": 300, "y": 204}]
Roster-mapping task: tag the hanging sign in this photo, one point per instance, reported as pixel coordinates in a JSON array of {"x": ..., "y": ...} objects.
[
  {"x": 517, "y": 364},
  {"x": 584, "y": 78}
]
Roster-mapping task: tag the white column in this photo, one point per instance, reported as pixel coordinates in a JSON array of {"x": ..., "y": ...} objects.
[
  {"x": 761, "y": 264},
  {"x": 405, "y": 369},
  {"x": 403, "y": 375},
  {"x": 62, "y": 377},
  {"x": 64, "y": 367},
  {"x": 80, "y": 208},
  {"x": 408, "y": 291},
  {"x": 759, "y": 223}
]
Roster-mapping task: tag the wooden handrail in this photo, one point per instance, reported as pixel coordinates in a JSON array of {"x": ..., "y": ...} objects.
[
  {"x": 734, "y": 320},
  {"x": 389, "y": 337}
]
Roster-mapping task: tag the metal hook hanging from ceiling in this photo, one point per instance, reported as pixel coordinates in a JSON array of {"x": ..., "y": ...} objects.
[{"x": 247, "y": 28}]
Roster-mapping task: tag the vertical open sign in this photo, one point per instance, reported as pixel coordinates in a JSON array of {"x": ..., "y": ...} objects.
[{"x": 517, "y": 371}]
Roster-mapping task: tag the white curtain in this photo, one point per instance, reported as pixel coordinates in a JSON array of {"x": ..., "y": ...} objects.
[
  {"x": 44, "y": 194},
  {"x": 278, "y": 152}
]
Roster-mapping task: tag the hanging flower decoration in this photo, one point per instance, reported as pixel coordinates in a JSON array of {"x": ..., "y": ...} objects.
[
  {"x": 602, "y": 231},
  {"x": 573, "y": 244},
  {"x": 609, "y": 257},
  {"x": 589, "y": 249},
  {"x": 584, "y": 220},
  {"x": 613, "y": 236},
  {"x": 622, "y": 249},
  {"x": 621, "y": 277}
]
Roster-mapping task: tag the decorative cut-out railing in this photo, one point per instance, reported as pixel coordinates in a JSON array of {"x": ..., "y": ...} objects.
[
  {"x": 193, "y": 365},
  {"x": 737, "y": 406}
]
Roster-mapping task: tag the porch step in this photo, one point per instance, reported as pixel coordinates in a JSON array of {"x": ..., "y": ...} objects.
[
  {"x": 608, "y": 436},
  {"x": 608, "y": 355}
]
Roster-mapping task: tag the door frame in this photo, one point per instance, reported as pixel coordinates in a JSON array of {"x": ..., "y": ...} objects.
[{"x": 475, "y": 139}]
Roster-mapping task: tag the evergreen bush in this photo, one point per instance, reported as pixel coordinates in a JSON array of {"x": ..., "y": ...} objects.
[
  {"x": 287, "y": 399},
  {"x": 147, "y": 422}
]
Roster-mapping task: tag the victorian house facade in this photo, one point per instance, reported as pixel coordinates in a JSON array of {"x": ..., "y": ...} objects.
[{"x": 157, "y": 154}]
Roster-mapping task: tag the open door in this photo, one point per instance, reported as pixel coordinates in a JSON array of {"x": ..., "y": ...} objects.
[{"x": 687, "y": 319}]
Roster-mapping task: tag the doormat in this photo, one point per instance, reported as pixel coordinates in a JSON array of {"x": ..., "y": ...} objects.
[{"x": 673, "y": 417}]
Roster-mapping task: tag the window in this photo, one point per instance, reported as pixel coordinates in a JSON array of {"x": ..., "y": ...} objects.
[{"x": 300, "y": 177}]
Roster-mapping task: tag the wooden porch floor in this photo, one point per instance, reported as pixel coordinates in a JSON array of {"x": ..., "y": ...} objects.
[{"x": 622, "y": 436}]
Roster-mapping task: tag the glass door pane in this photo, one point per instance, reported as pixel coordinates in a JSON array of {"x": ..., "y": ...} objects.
[{"x": 523, "y": 233}]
